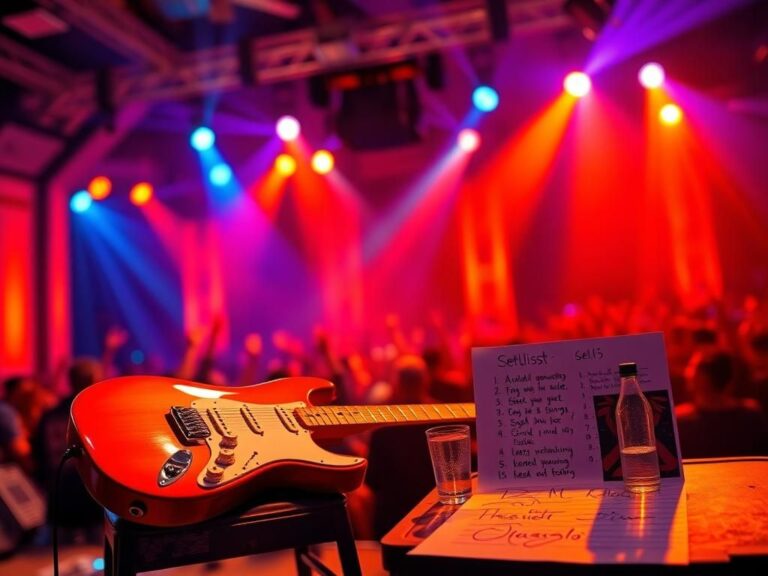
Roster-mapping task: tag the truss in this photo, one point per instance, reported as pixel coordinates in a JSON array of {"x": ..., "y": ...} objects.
[
  {"x": 278, "y": 58},
  {"x": 116, "y": 28},
  {"x": 30, "y": 70}
]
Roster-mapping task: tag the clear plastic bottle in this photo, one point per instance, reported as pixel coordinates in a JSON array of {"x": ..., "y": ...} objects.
[{"x": 637, "y": 440}]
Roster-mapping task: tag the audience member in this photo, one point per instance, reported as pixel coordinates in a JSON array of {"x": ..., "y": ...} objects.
[
  {"x": 715, "y": 422},
  {"x": 399, "y": 467},
  {"x": 758, "y": 359},
  {"x": 76, "y": 507},
  {"x": 14, "y": 441}
]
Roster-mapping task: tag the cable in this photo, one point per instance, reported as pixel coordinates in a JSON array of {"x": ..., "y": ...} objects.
[{"x": 53, "y": 504}]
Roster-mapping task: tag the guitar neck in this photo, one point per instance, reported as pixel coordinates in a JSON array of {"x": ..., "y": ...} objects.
[{"x": 338, "y": 421}]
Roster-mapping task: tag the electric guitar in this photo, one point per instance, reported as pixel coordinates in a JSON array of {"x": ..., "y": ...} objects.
[{"x": 168, "y": 452}]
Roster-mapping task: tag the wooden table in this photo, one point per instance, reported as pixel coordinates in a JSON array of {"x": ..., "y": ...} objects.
[{"x": 727, "y": 529}]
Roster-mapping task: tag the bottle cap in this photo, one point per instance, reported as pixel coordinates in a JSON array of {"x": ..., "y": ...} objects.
[{"x": 627, "y": 369}]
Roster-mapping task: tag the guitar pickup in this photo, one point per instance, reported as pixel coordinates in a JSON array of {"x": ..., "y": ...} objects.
[
  {"x": 286, "y": 419},
  {"x": 250, "y": 419}
]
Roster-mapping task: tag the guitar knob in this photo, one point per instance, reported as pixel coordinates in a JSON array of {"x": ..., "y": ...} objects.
[
  {"x": 228, "y": 441},
  {"x": 226, "y": 457},
  {"x": 213, "y": 474}
]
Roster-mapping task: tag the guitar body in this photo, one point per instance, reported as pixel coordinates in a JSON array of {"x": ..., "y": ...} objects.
[{"x": 166, "y": 452}]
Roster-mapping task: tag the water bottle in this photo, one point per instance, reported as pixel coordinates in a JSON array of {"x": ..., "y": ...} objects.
[{"x": 637, "y": 441}]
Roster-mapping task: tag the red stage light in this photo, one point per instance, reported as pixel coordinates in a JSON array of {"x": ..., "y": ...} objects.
[
  {"x": 288, "y": 128},
  {"x": 141, "y": 193},
  {"x": 322, "y": 162},
  {"x": 100, "y": 187},
  {"x": 577, "y": 84},
  {"x": 651, "y": 76},
  {"x": 285, "y": 165},
  {"x": 468, "y": 140},
  {"x": 670, "y": 114}
]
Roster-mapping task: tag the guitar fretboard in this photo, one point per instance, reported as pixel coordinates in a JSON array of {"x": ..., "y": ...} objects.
[{"x": 367, "y": 416}]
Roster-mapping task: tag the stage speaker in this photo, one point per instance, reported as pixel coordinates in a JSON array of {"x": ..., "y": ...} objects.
[
  {"x": 379, "y": 116},
  {"x": 22, "y": 508}
]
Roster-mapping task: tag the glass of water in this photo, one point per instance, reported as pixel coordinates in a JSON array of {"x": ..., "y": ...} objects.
[{"x": 449, "y": 447}]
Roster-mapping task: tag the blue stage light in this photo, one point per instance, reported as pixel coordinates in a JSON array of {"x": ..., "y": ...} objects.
[
  {"x": 220, "y": 174},
  {"x": 202, "y": 138},
  {"x": 98, "y": 564},
  {"x": 485, "y": 98},
  {"x": 80, "y": 201}
]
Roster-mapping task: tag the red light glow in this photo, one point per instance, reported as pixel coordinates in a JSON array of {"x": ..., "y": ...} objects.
[
  {"x": 141, "y": 193},
  {"x": 468, "y": 140},
  {"x": 577, "y": 84},
  {"x": 288, "y": 128},
  {"x": 651, "y": 76},
  {"x": 100, "y": 187},
  {"x": 285, "y": 164},
  {"x": 670, "y": 114},
  {"x": 322, "y": 162}
]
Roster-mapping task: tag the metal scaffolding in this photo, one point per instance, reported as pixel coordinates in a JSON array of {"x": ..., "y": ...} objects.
[{"x": 161, "y": 72}]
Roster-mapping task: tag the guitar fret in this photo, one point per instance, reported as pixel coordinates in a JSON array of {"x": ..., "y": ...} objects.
[
  {"x": 382, "y": 414},
  {"x": 371, "y": 413},
  {"x": 307, "y": 416},
  {"x": 318, "y": 416},
  {"x": 331, "y": 414},
  {"x": 324, "y": 417},
  {"x": 357, "y": 414},
  {"x": 392, "y": 414},
  {"x": 405, "y": 418}
]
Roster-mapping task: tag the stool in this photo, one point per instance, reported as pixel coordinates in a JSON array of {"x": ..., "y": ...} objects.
[{"x": 276, "y": 521}]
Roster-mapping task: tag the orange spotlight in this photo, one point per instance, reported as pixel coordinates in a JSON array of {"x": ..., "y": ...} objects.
[
  {"x": 285, "y": 165},
  {"x": 100, "y": 187},
  {"x": 322, "y": 161},
  {"x": 141, "y": 193},
  {"x": 468, "y": 140},
  {"x": 670, "y": 114},
  {"x": 577, "y": 84}
]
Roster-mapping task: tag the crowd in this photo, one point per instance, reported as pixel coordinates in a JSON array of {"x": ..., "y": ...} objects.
[{"x": 717, "y": 358}]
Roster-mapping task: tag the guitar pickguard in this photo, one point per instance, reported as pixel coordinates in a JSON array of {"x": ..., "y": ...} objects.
[{"x": 244, "y": 437}]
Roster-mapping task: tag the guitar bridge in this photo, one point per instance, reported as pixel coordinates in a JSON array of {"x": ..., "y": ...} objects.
[{"x": 190, "y": 424}]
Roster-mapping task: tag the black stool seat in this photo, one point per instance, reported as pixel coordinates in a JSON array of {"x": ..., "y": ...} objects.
[{"x": 276, "y": 521}]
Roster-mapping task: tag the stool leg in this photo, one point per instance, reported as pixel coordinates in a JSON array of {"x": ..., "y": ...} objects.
[
  {"x": 345, "y": 542},
  {"x": 301, "y": 566},
  {"x": 121, "y": 555},
  {"x": 109, "y": 566}
]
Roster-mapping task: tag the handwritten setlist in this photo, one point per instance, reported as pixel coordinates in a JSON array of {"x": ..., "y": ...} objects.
[
  {"x": 549, "y": 473},
  {"x": 598, "y": 525},
  {"x": 540, "y": 408}
]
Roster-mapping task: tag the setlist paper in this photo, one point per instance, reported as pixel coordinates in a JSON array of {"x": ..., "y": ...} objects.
[{"x": 545, "y": 412}]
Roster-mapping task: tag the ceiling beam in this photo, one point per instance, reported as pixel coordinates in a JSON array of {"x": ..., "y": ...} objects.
[
  {"x": 464, "y": 23},
  {"x": 298, "y": 54},
  {"x": 30, "y": 70},
  {"x": 117, "y": 28},
  {"x": 293, "y": 55}
]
